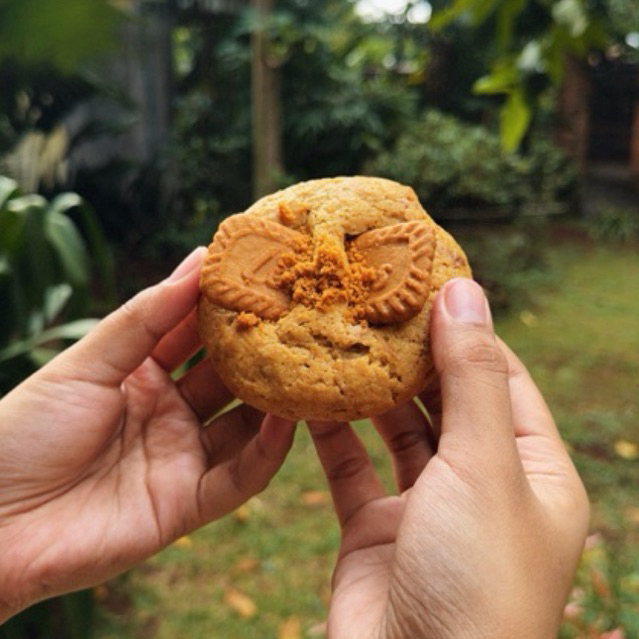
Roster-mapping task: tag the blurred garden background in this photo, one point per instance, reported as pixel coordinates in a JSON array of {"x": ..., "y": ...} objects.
[{"x": 130, "y": 128}]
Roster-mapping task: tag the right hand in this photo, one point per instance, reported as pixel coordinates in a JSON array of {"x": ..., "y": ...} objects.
[{"x": 491, "y": 517}]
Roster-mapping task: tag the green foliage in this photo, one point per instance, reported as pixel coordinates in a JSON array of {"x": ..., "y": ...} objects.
[
  {"x": 61, "y": 33},
  {"x": 46, "y": 257},
  {"x": 533, "y": 40},
  {"x": 45, "y": 274},
  {"x": 211, "y": 146},
  {"x": 509, "y": 260},
  {"x": 336, "y": 112},
  {"x": 612, "y": 223},
  {"x": 68, "y": 617},
  {"x": 454, "y": 165}
]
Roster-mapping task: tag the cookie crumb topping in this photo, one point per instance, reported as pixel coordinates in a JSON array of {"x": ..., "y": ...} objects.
[
  {"x": 322, "y": 275},
  {"x": 246, "y": 320}
]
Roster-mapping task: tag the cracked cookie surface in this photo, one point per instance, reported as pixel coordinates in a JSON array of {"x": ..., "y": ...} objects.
[{"x": 316, "y": 301}]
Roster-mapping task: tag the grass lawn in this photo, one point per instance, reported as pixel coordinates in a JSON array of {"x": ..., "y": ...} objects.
[{"x": 265, "y": 571}]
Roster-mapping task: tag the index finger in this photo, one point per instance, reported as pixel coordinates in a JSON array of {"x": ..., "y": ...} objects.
[
  {"x": 531, "y": 415},
  {"x": 352, "y": 479},
  {"x": 126, "y": 337}
]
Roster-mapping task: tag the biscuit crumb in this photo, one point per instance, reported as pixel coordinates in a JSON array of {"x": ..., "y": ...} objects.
[
  {"x": 292, "y": 213},
  {"x": 246, "y": 320},
  {"x": 319, "y": 277}
]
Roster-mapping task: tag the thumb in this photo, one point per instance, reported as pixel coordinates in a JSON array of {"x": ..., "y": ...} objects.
[
  {"x": 126, "y": 337},
  {"x": 473, "y": 371}
]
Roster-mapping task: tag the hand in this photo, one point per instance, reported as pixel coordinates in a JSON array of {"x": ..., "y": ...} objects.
[
  {"x": 103, "y": 455},
  {"x": 485, "y": 535}
]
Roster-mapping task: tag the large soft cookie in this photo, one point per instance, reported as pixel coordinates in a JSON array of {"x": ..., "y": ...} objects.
[{"x": 316, "y": 301}]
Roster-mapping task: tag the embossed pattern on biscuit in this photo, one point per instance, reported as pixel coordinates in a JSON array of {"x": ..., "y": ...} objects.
[
  {"x": 403, "y": 256},
  {"x": 257, "y": 266},
  {"x": 240, "y": 268}
]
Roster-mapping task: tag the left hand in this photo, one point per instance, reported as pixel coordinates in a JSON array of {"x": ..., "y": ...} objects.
[{"x": 103, "y": 456}]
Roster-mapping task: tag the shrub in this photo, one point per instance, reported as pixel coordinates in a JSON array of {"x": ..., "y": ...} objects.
[
  {"x": 508, "y": 260},
  {"x": 613, "y": 223},
  {"x": 455, "y": 166}
]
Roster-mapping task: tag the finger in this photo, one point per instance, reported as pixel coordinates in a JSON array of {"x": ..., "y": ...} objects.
[
  {"x": 203, "y": 390},
  {"x": 178, "y": 345},
  {"x": 407, "y": 435},
  {"x": 351, "y": 476},
  {"x": 227, "y": 434},
  {"x": 531, "y": 415},
  {"x": 546, "y": 462},
  {"x": 229, "y": 484},
  {"x": 123, "y": 340},
  {"x": 477, "y": 423}
]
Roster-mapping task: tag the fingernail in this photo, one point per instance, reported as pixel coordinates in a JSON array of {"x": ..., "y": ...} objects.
[
  {"x": 192, "y": 261},
  {"x": 465, "y": 301}
]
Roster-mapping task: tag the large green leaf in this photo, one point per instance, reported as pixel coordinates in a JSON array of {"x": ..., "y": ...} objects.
[
  {"x": 502, "y": 79},
  {"x": 11, "y": 229},
  {"x": 8, "y": 188},
  {"x": 69, "y": 247},
  {"x": 101, "y": 256},
  {"x": 70, "y": 331},
  {"x": 507, "y": 14},
  {"x": 515, "y": 118},
  {"x": 42, "y": 253}
]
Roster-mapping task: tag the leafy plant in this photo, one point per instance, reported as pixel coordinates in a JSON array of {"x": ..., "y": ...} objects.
[
  {"x": 613, "y": 223},
  {"x": 46, "y": 259},
  {"x": 533, "y": 40},
  {"x": 340, "y": 106},
  {"x": 456, "y": 165},
  {"x": 509, "y": 260},
  {"x": 45, "y": 276}
]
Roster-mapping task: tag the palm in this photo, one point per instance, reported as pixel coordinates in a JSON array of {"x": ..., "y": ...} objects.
[{"x": 131, "y": 467}]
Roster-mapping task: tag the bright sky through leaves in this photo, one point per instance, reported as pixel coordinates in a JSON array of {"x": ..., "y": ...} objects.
[{"x": 372, "y": 10}]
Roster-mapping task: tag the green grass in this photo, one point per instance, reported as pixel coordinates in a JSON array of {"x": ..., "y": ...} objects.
[{"x": 579, "y": 335}]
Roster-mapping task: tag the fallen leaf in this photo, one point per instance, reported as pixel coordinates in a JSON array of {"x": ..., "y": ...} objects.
[
  {"x": 632, "y": 514},
  {"x": 528, "y": 318},
  {"x": 183, "y": 542},
  {"x": 627, "y": 450},
  {"x": 240, "y": 603},
  {"x": 290, "y": 628},
  {"x": 242, "y": 514},
  {"x": 315, "y": 498},
  {"x": 246, "y": 565},
  {"x": 600, "y": 584}
]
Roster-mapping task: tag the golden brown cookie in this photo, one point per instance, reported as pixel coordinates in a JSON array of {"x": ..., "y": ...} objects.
[{"x": 316, "y": 300}]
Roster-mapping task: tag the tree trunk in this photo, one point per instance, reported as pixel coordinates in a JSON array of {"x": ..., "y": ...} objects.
[{"x": 267, "y": 160}]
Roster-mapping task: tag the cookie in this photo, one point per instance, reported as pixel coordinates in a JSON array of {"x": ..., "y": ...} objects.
[{"x": 315, "y": 302}]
